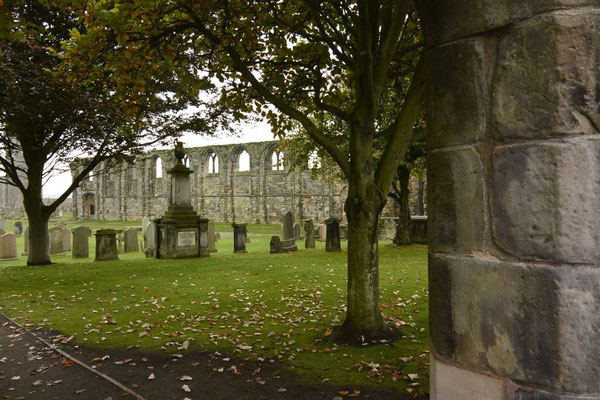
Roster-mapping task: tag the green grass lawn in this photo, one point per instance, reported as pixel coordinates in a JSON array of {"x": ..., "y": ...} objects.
[{"x": 253, "y": 305}]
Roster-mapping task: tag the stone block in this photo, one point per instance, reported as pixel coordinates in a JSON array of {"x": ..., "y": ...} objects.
[
  {"x": 445, "y": 20},
  {"x": 449, "y": 382},
  {"x": 526, "y": 322},
  {"x": 545, "y": 202},
  {"x": 106, "y": 245},
  {"x": 460, "y": 106},
  {"x": 544, "y": 86},
  {"x": 456, "y": 201},
  {"x": 8, "y": 247}
]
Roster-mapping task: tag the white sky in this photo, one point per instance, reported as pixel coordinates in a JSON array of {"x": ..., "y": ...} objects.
[{"x": 251, "y": 132}]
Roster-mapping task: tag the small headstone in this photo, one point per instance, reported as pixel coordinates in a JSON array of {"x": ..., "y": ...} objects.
[
  {"x": 217, "y": 236},
  {"x": 332, "y": 242},
  {"x": 26, "y": 242},
  {"x": 297, "y": 231},
  {"x": 8, "y": 247},
  {"x": 66, "y": 239},
  {"x": 3, "y": 224},
  {"x": 18, "y": 228},
  {"x": 81, "y": 245},
  {"x": 131, "y": 240},
  {"x": 309, "y": 233},
  {"x": 288, "y": 242},
  {"x": 150, "y": 240},
  {"x": 106, "y": 245},
  {"x": 211, "y": 237},
  {"x": 322, "y": 232},
  {"x": 275, "y": 245},
  {"x": 247, "y": 237},
  {"x": 56, "y": 240},
  {"x": 120, "y": 240},
  {"x": 145, "y": 223},
  {"x": 343, "y": 232},
  {"x": 239, "y": 238}
]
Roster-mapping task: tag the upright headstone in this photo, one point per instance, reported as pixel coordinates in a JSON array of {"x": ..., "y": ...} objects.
[
  {"x": 288, "y": 242},
  {"x": 106, "y": 245},
  {"x": 26, "y": 242},
  {"x": 120, "y": 239},
  {"x": 66, "y": 239},
  {"x": 56, "y": 240},
  {"x": 211, "y": 237},
  {"x": 131, "y": 240},
  {"x": 297, "y": 233},
  {"x": 145, "y": 223},
  {"x": 18, "y": 228},
  {"x": 275, "y": 245},
  {"x": 239, "y": 238},
  {"x": 150, "y": 240},
  {"x": 246, "y": 233},
  {"x": 8, "y": 247},
  {"x": 332, "y": 242},
  {"x": 217, "y": 236},
  {"x": 81, "y": 245},
  {"x": 309, "y": 233},
  {"x": 3, "y": 224},
  {"x": 322, "y": 232},
  {"x": 343, "y": 232}
]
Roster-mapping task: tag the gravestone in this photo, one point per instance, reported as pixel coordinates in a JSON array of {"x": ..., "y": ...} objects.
[
  {"x": 8, "y": 247},
  {"x": 106, "y": 244},
  {"x": 3, "y": 224},
  {"x": 309, "y": 234},
  {"x": 322, "y": 232},
  {"x": 275, "y": 245},
  {"x": 66, "y": 237},
  {"x": 145, "y": 223},
  {"x": 2, "y": 232},
  {"x": 217, "y": 236},
  {"x": 297, "y": 233},
  {"x": 211, "y": 237},
  {"x": 26, "y": 242},
  {"x": 81, "y": 245},
  {"x": 150, "y": 240},
  {"x": 288, "y": 242},
  {"x": 343, "y": 232},
  {"x": 120, "y": 240},
  {"x": 18, "y": 228},
  {"x": 332, "y": 242},
  {"x": 56, "y": 240},
  {"x": 131, "y": 240},
  {"x": 239, "y": 238}
]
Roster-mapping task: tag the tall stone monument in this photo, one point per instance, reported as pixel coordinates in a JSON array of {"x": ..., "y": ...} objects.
[
  {"x": 513, "y": 161},
  {"x": 239, "y": 238},
  {"x": 26, "y": 242},
  {"x": 332, "y": 242},
  {"x": 211, "y": 238},
  {"x": 181, "y": 232},
  {"x": 309, "y": 232},
  {"x": 288, "y": 243}
]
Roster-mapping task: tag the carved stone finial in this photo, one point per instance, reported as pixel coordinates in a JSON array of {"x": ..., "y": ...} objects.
[{"x": 179, "y": 152}]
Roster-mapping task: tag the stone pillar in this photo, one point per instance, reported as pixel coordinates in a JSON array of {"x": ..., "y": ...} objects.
[{"x": 513, "y": 180}]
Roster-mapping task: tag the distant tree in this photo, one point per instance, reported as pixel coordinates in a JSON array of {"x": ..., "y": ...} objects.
[
  {"x": 292, "y": 61},
  {"x": 47, "y": 118}
]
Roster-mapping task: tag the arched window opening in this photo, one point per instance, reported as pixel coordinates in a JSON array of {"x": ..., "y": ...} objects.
[
  {"x": 159, "y": 172},
  {"x": 186, "y": 161},
  {"x": 91, "y": 176},
  {"x": 277, "y": 161},
  {"x": 314, "y": 161},
  {"x": 244, "y": 161},
  {"x": 213, "y": 163}
]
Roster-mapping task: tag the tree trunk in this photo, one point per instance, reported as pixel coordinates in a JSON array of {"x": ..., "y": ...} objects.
[
  {"x": 403, "y": 227},
  {"x": 364, "y": 321},
  {"x": 39, "y": 243}
]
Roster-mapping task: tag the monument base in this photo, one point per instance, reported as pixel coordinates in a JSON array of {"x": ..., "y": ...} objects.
[
  {"x": 182, "y": 234},
  {"x": 288, "y": 245}
]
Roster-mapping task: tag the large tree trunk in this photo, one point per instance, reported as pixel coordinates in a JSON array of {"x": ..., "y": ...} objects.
[
  {"x": 364, "y": 321},
  {"x": 403, "y": 227},
  {"x": 38, "y": 216}
]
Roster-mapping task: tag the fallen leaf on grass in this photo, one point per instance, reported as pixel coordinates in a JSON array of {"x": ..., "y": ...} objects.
[
  {"x": 186, "y": 388},
  {"x": 185, "y": 378},
  {"x": 151, "y": 376},
  {"x": 15, "y": 378},
  {"x": 68, "y": 363},
  {"x": 37, "y": 383},
  {"x": 282, "y": 389},
  {"x": 80, "y": 391},
  {"x": 343, "y": 392}
]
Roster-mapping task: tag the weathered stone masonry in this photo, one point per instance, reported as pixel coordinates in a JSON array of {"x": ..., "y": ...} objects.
[
  {"x": 262, "y": 194},
  {"x": 514, "y": 181}
]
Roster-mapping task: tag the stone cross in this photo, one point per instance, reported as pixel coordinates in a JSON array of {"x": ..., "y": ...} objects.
[
  {"x": 332, "y": 242},
  {"x": 81, "y": 245}
]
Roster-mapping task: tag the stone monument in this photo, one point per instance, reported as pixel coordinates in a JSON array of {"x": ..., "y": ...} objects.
[
  {"x": 106, "y": 245},
  {"x": 309, "y": 233},
  {"x": 275, "y": 245},
  {"x": 18, "y": 228},
  {"x": 332, "y": 242},
  {"x": 81, "y": 245},
  {"x": 8, "y": 247},
  {"x": 239, "y": 238},
  {"x": 150, "y": 240},
  {"x": 211, "y": 238},
  {"x": 26, "y": 242},
  {"x": 288, "y": 241},
  {"x": 131, "y": 240},
  {"x": 66, "y": 238},
  {"x": 56, "y": 240},
  {"x": 181, "y": 232},
  {"x": 322, "y": 232},
  {"x": 3, "y": 224}
]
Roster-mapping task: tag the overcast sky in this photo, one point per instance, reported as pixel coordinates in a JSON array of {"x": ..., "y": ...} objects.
[{"x": 255, "y": 132}]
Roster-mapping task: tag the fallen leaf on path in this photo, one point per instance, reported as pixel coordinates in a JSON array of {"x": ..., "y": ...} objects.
[
  {"x": 185, "y": 378},
  {"x": 151, "y": 376},
  {"x": 80, "y": 391},
  {"x": 186, "y": 388},
  {"x": 68, "y": 363}
]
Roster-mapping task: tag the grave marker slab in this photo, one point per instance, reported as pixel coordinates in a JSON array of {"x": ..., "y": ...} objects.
[
  {"x": 239, "y": 238},
  {"x": 66, "y": 239},
  {"x": 81, "y": 245},
  {"x": 309, "y": 231},
  {"x": 18, "y": 228},
  {"x": 8, "y": 247},
  {"x": 106, "y": 244},
  {"x": 288, "y": 242},
  {"x": 56, "y": 240},
  {"x": 211, "y": 237},
  {"x": 131, "y": 240},
  {"x": 150, "y": 240},
  {"x": 26, "y": 242},
  {"x": 332, "y": 242},
  {"x": 275, "y": 245}
]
